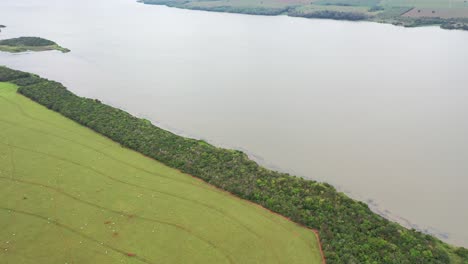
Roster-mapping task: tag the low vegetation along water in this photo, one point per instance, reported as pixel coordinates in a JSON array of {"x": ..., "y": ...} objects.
[{"x": 376, "y": 110}]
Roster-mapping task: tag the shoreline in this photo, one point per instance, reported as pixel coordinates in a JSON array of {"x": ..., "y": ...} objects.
[
  {"x": 456, "y": 23},
  {"x": 374, "y": 206},
  {"x": 316, "y": 205}
]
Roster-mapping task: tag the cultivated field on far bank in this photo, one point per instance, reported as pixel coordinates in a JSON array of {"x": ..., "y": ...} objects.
[
  {"x": 438, "y": 12},
  {"x": 69, "y": 195},
  {"x": 449, "y": 14}
]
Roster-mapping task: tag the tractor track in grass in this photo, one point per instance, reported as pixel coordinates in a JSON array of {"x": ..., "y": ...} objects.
[
  {"x": 210, "y": 188},
  {"x": 100, "y": 152},
  {"x": 24, "y": 113},
  {"x": 97, "y": 206},
  {"x": 209, "y": 207},
  {"x": 127, "y": 183},
  {"x": 70, "y": 229},
  {"x": 13, "y": 169}
]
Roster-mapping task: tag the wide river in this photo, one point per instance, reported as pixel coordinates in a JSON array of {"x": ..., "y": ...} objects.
[{"x": 379, "y": 111}]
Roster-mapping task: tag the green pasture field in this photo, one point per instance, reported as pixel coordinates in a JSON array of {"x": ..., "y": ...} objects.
[
  {"x": 426, "y": 3},
  {"x": 69, "y": 195}
]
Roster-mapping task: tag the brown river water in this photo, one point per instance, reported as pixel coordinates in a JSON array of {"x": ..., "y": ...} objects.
[{"x": 379, "y": 111}]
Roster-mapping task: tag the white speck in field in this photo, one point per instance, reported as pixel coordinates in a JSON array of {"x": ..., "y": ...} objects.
[
  {"x": 6, "y": 249},
  {"x": 8, "y": 242},
  {"x": 81, "y": 242}
]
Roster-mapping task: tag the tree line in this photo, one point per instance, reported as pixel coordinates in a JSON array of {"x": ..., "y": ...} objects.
[
  {"x": 27, "y": 41},
  {"x": 350, "y": 232}
]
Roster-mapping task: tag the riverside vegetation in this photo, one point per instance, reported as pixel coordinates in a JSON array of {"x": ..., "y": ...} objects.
[
  {"x": 70, "y": 195},
  {"x": 448, "y": 14},
  {"x": 23, "y": 44},
  {"x": 350, "y": 232}
]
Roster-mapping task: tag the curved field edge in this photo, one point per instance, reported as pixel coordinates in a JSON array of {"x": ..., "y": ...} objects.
[
  {"x": 63, "y": 183},
  {"x": 350, "y": 232}
]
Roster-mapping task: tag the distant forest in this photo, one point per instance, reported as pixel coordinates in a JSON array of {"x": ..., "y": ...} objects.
[{"x": 447, "y": 14}]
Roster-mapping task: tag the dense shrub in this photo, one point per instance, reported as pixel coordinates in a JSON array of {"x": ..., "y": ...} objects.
[
  {"x": 350, "y": 232},
  {"x": 329, "y": 14},
  {"x": 27, "y": 41},
  {"x": 462, "y": 252},
  {"x": 9, "y": 75},
  {"x": 376, "y": 8},
  {"x": 265, "y": 11},
  {"x": 24, "y": 81}
]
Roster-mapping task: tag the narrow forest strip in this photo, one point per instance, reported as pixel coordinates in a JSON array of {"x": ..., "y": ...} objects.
[{"x": 350, "y": 232}]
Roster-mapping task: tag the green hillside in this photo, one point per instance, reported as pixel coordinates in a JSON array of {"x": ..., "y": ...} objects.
[{"x": 69, "y": 195}]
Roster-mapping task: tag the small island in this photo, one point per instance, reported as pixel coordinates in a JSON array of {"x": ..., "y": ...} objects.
[{"x": 23, "y": 44}]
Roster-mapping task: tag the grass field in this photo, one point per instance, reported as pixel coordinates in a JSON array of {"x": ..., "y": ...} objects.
[
  {"x": 439, "y": 12},
  {"x": 69, "y": 195}
]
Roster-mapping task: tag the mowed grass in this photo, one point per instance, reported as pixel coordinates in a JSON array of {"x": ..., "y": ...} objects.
[{"x": 69, "y": 195}]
